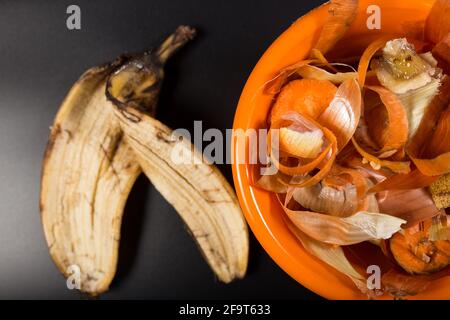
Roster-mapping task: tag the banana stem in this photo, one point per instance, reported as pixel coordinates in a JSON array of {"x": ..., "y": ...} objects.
[
  {"x": 137, "y": 82},
  {"x": 175, "y": 41}
]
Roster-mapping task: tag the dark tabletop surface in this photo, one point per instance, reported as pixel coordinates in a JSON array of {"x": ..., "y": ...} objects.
[{"x": 40, "y": 59}]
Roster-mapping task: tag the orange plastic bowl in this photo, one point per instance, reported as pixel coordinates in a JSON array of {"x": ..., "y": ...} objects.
[{"x": 261, "y": 209}]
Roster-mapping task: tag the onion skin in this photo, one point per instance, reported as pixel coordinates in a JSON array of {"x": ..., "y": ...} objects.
[
  {"x": 359, "y": 227},
  {"x": 410, "y": 205},
  {"x": 418, "y": 149},
  {"x": 324, "y": 161},
  {"x": 437, "y": 25},
  {"x": 273, "y": 86},
  {"x": 343, "y": 113},
  {"x": 392, "y": 136},
  {"x": 356, "y": 179},
  {"x": 312, "y": 72},
  {"x": 413, "y": 180},
  {"x": 332, "y": 255},
  {"x": 440, "y": 143},
  {"x": 319, "y": 198},
  {"x": 364, "y": 62},
  {"x": 295, "y": 119},
  {"x": 377, "y": 175},
  {"x": 306, "y": 144},
  {"x": 396, "y": 133},
  {"x": 400, "y": 284},
  {"x": 442, "y": 53},
  {"x": 271, "y": 183},
  {"x": 395, "y": 166},
  {"x": 340, "y": 17}
]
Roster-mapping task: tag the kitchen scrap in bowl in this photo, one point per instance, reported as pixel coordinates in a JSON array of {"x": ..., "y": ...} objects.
[{"x": 357, "y": 122}]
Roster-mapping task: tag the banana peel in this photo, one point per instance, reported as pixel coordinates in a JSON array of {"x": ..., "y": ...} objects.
[{"x": 104, "y": 136}]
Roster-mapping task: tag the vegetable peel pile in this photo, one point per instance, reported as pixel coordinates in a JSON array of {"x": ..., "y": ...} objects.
[{"x": 364, "y": 156}]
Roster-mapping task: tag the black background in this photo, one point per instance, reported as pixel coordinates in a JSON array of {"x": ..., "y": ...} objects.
[{"x": 40, "y": 59}]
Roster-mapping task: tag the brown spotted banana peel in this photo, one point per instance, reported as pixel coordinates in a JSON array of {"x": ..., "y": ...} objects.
[{"x": 103, "y": 137}]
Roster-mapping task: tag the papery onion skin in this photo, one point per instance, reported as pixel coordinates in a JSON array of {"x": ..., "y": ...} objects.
[
  {"x": 413, "y": 206},
  {"x": 363, "y": 134},
  {"x": 324, "y": 161},
  {"x": 395, "y": 166},
  {"x": 437, "y": 25},
  {"x": 293, "y": 119},
  {"x": 418, "y": 148},
  {"x": 343, "y": 113},
  {"x": 312, "y": 72},
  {"x": 301, "y": 144},
  {"x": 328, "y": 200},
  {"x": 442, "y": 53},
  {"x": 274, "y": 85},
  {"x": 325, "y": 168},
  {"x": 271, "y": 183},
  {"x": 393, "y": 137},
  {"x": 332, "y": 255},
  {"x": 400, "y": 284},
  {"x": 434, "y": 167},
  {"x": 360, "y": 227},
  {"x": 440, "y": 143},
  {"x": 341, "y": 15},
  {"x": 416, "y": 103},
  {"x": 396, "y": 134},
  {"x": 413, "y": 180},
  {"x": 356, "y": 179},
  {"x": 432, "y": 115},
  {"x": 367, "y": 169},
  {"x": 367, "y": 55}
]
